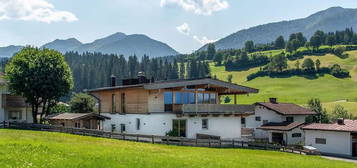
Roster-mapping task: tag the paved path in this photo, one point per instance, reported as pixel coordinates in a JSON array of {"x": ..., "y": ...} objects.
[{"x": 341, "y": 159}]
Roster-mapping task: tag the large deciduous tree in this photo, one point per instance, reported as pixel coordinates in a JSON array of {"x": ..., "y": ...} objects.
[
  {"x": 41, "y": 76},
  {"x": 82, "y": 103}
]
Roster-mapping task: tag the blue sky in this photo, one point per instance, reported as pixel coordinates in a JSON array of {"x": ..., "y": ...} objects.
[{"x": 183, "y": 24}]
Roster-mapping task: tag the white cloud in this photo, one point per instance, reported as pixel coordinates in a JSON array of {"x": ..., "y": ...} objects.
[
  {"x": 184, "y": 29},
  {"x": 204, "y": 40},
  {"x": 36, "y": 10},
  {"x": 201, "y": 7}
]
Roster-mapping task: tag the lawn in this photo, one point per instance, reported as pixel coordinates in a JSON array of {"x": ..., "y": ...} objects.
[
  {"x": 300, "y": 89},
  {"x": 52, "y": 150}
]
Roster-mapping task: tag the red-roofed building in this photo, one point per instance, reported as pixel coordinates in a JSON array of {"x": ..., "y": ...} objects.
[
  {"x": 339, "y": 138},
  {"x": 278, "y": 122}
]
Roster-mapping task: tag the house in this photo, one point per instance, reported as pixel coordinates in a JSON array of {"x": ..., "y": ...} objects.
[
  {"x": 338, "y": 139},
  {"x": 13, "y": 108},
  {"x": 186, "y": 108},
  {"x": 278, "y": 122},
  {"x": 77, "y": 120}
]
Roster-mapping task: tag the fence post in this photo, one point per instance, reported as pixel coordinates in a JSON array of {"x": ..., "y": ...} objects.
[
  {"x": 152, "y": 139},
  {"x": 167, "y": 140},
  {"x": 220, "y": 143},
  {"x": 137, "y": 137},
  {"x": 196, "y": 141},
  {"x": 123, "y": 136},
  {"x": 209, "y": 142},
  {"x": 242, "y": 144},
  {"x": 233, "y": 143}
]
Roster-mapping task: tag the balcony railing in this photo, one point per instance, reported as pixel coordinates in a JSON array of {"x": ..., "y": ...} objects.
[{"x": 213, "y": 108}]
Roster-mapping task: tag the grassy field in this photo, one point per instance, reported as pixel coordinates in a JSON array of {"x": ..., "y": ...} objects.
[
  {"x": 300, "y": 89},
  {"x": 55, "y": 150}
]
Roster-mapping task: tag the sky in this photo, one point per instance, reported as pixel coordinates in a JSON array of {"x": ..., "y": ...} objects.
[{"x": 185, "y": 25}]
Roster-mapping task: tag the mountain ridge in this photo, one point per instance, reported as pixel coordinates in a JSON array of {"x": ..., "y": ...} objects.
[
  {"x": 117, "y": 43},
  {"x": 331, "y": 19}
]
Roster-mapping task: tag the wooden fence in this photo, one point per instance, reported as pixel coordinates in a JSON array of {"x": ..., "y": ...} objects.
[{"x": 213, "y": 143}]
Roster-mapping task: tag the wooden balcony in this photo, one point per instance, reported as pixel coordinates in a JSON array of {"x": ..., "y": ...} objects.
[{"x": 206, "y": 109}]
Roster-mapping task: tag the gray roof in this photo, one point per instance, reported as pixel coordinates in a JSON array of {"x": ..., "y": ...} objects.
[
  {"x": 183, "y": 83},
  {"x": 74, "y": 116}
]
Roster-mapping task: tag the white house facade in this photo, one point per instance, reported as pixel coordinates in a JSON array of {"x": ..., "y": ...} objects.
[
  {"x": 278, "y": 122},
  {"x": 338, "y": 139},
  {"x": 186, "y": 108},
  {"x": 13, "y": 108}
]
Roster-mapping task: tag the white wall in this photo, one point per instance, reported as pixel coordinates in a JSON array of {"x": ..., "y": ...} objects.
[
  {"x": 336, "y": 142},
  {"x": 161, "y": 123},
  {"x": 270, "y": 116},
  {"x": 295, "y": 140}
]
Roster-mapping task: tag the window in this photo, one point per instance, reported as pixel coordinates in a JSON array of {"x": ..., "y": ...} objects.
[
  {"x": 122, "y": 128},
  {"x": 265, "y": 122},
  {"x": 168, "y": 100},
  {"x": 257, "y": 118},
  {"x": 320, "y": 141},
  {"x": 204, "y": 123},
  {"x": 206, "y": 98},
  {"x": 199, "y": 98},
  {"x": 77, "y": 125},
  {"x": 296, "y": 135},
  {"x": 186, "y": 98},
  {"x": 192, "y": 98},
  {"x": 138, "y": 124},
  {"x": 168, "y": 97},
  {"x": 113, "y": 127},
  {"x": 113, "y": 103},
  {"x": 213, "y": 98},
  {"x": 178, "y": 98},
  {"x": 15, "y": 115},
  {"x": 290, "y": 119},
  {"x": 242, "y": 121}
]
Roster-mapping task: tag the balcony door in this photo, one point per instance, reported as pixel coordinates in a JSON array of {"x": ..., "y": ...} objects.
[{"x": 179, "y": 127}]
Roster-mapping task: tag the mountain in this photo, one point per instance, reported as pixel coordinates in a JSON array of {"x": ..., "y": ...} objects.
[
  {"x": 118, "y": 43},
  {"x": 332, "y": 19},
  {"x": 63, "y": 45},
  {"x": 9, "y": 50}
]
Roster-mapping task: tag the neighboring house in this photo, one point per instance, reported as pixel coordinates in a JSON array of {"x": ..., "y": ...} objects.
[
  {"x": 186, "y": 108},
  {"x": 77, "y": 120},
  {"x": 13, "y": 108},
  {"x": 278, "y": 122},
  {"x": 339, "y": 139}
]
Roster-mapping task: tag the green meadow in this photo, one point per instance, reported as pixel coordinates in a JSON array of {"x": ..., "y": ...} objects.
[
  {"x": 56, "y": 150},
  {"x": 299, "y": 89}
]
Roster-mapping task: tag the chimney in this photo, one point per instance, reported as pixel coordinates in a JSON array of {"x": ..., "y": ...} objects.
[
  {"x": 273, "y": 100},
  {"x": 142, "y": 78},
  {"x": 113, "y": 79},
  {"x": 340, "y": 121}
]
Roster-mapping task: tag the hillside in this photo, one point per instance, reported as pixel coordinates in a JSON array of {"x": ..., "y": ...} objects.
[
  {"x": 9, "y": 50},
  {"x": 118, "y": 43},
  {"x": 56, "y": 150},
  {"x": 332, "y": 19},
  {"x": 296, "y": 89}
]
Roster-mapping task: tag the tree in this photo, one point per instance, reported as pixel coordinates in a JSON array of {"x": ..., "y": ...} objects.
[
  {"x": 292, "y": 45},
  {"x": 340, "y": 112},
  {"x": 82, "y": 103},
  {"x": 60, "y": 108},
  {"x": 317, "y": 63},
  {"x": 317, "y": 39},
  {"x": 279, "y": 43},
  {"x": 41, "y": 76},
  {"x": 249, "y": 46},
  {"x": 218, "y": 59},
  {"x": 182, "y": 70},
  {"x": 316, "y": 106},
  {"x": 330, "y": 40},
  {"x": 308, "y": 64},
  {"x": 278, "y": 63},
  {"x": 211, "y": 51},
  {"x": 227, "y": 99}
]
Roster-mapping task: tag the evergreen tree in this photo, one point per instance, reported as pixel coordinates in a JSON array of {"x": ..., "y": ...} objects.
[
  {"x": 211, "y": 51},
  {"x": 249, "y": 46},
  {"x": 279, "y": 43}
]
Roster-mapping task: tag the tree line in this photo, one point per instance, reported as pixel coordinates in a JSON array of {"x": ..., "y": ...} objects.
[{"x": 93, "y": 70}]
